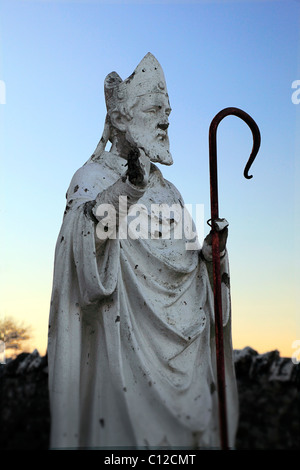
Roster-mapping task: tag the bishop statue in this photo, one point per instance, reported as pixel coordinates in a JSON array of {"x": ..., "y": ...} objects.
[{"x": 131, "y": 345}]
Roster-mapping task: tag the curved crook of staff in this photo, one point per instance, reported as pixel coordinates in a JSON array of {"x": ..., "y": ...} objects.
[{"x": 216, "y": 252}]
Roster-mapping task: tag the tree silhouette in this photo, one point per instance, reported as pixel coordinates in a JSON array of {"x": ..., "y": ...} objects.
[{"x": 14, "y": 333}]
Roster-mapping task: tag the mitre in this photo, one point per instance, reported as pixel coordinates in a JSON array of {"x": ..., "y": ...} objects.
[{"x": 147, "y": 78}]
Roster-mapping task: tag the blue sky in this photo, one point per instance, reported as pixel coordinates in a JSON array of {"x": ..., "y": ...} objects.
[{"x": 54, "y": 56}]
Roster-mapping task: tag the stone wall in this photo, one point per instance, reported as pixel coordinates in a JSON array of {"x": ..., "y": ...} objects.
[
  {"x": 24, "y": 404},
  {"x": 269, "y": 395}
]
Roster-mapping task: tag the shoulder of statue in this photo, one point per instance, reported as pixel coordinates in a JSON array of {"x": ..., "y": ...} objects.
[
  {"x": 175, "y": 191},
  {"x": 90, "y": 171},
  {"x": 86, "y": 178}
]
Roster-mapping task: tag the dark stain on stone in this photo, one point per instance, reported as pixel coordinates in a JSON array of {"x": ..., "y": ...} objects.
[
  {"x": 128, "y": 80},
  {"x": 225, "y": 279},
  {"x": 88, "y": 207}
]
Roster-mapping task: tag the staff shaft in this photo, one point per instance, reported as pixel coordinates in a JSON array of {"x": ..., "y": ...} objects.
[{"x": 216, "y": 253}]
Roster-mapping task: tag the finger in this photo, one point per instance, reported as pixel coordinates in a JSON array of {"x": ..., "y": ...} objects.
[{"x": 208, "y": 238}]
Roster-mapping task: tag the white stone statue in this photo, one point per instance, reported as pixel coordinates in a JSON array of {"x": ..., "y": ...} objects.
[{"x": 131, "y": 345}]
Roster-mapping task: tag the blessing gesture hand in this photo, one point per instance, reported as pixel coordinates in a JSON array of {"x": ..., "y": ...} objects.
[{"x": 138, "y": 165}]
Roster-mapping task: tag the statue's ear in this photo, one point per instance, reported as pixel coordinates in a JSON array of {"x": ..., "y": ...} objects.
[{"x": 118, "y": 120}]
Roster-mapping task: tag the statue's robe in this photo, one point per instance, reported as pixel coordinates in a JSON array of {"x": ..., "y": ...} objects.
[{"x": 131, "y": 346}]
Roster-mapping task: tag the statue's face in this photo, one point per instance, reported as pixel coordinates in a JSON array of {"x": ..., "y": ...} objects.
[{"x": 148, "y": 128}]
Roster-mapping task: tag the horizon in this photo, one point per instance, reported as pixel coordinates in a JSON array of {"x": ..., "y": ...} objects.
[{"x": 54, "y": 57}]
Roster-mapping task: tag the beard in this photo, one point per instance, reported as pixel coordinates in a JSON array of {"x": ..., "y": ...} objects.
[{"x": 157, "y": 149}]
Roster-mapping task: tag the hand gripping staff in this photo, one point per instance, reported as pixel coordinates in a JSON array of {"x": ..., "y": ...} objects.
[{"x": 216, "y": 225}]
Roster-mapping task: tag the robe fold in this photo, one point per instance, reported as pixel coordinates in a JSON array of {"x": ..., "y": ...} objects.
[{"x": 131, "y": 346}]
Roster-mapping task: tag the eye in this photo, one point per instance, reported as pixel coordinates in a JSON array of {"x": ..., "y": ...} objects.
[{"x": 152, "y": 110}]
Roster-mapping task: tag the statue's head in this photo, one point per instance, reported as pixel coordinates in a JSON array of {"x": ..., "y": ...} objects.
[{"x": 139, "y": 107}]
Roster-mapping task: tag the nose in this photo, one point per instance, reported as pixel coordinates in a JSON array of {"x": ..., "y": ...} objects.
[{"x": 163, "y": 126}]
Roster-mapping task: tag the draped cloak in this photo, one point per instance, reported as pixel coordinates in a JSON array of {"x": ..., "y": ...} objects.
[{"x": 131, "y": 347}]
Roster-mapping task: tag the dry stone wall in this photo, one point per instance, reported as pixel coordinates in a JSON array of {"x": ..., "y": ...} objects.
[{"x": 269, "y": 397}]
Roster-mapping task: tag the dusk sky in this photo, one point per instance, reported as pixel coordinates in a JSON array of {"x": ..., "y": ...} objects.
[{"x": 54, "y": 57}]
